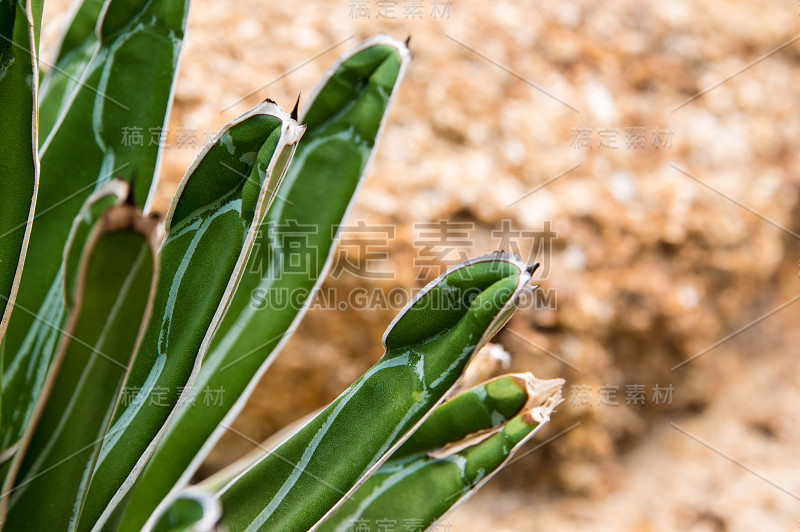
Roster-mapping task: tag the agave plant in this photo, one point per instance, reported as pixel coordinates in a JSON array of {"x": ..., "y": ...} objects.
[{"x": 113, "y": 319}]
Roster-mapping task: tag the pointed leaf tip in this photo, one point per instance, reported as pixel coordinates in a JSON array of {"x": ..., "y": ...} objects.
[{"x": 296, "y": 109}]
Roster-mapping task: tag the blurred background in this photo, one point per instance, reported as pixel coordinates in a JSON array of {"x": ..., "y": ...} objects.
[{"x": 643, "y": 153}]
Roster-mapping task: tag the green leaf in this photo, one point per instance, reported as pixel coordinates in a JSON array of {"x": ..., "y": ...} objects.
[
  {"x": 305, "y": 478},
  {"x": 126, "y": 81},
  {"x": 477, "y": 410},
  {"x": 193, "y": 511},
  {"x": 291, "y": 258},
  {"x": 19, "y": 166},
  {"x": 81, "y": 27},
  {"x": 60, "y": 84},
  {"x": 211, "y": 227},
  {"x": 113, "y": 293},
  {"x": 224, "y": 476},
  {"x": 482, "y": 408},
  {"x": 457, "y": 449},
  {"x": 114, "y": 193},
  {"x": 78, "y": 45}
]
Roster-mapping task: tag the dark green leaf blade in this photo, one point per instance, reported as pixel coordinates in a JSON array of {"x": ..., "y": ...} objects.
[
  {"x": 309, "y": 475},
  {"x": 125, "y": 80},
  {"x": 113, "y": 294},
  {"x": 192, "y": 511},
  {"x": 210, "y": 232},
  {"x": 318, "y": 190},
  {"x": 81, "y": 27},
  {"x": 456, "y": 450},
  {"x": 19, "y": 166}
]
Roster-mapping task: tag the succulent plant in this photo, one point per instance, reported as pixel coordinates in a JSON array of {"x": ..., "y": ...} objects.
[{"x": 120, "y": 317}]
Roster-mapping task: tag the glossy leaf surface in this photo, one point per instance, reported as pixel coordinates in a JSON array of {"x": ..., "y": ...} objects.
[
  {"x": 193, "y": 511},
  {"x": 289, "y": 259},
  {"x": 20, "y": 22},
  {"x": 300, "y": 482},
  {"x": 120, "y": 78},
  {"x": 112, "y": 295},
  {"x": 210, "y": 231},
  {"x": 460, "y": 446}
]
